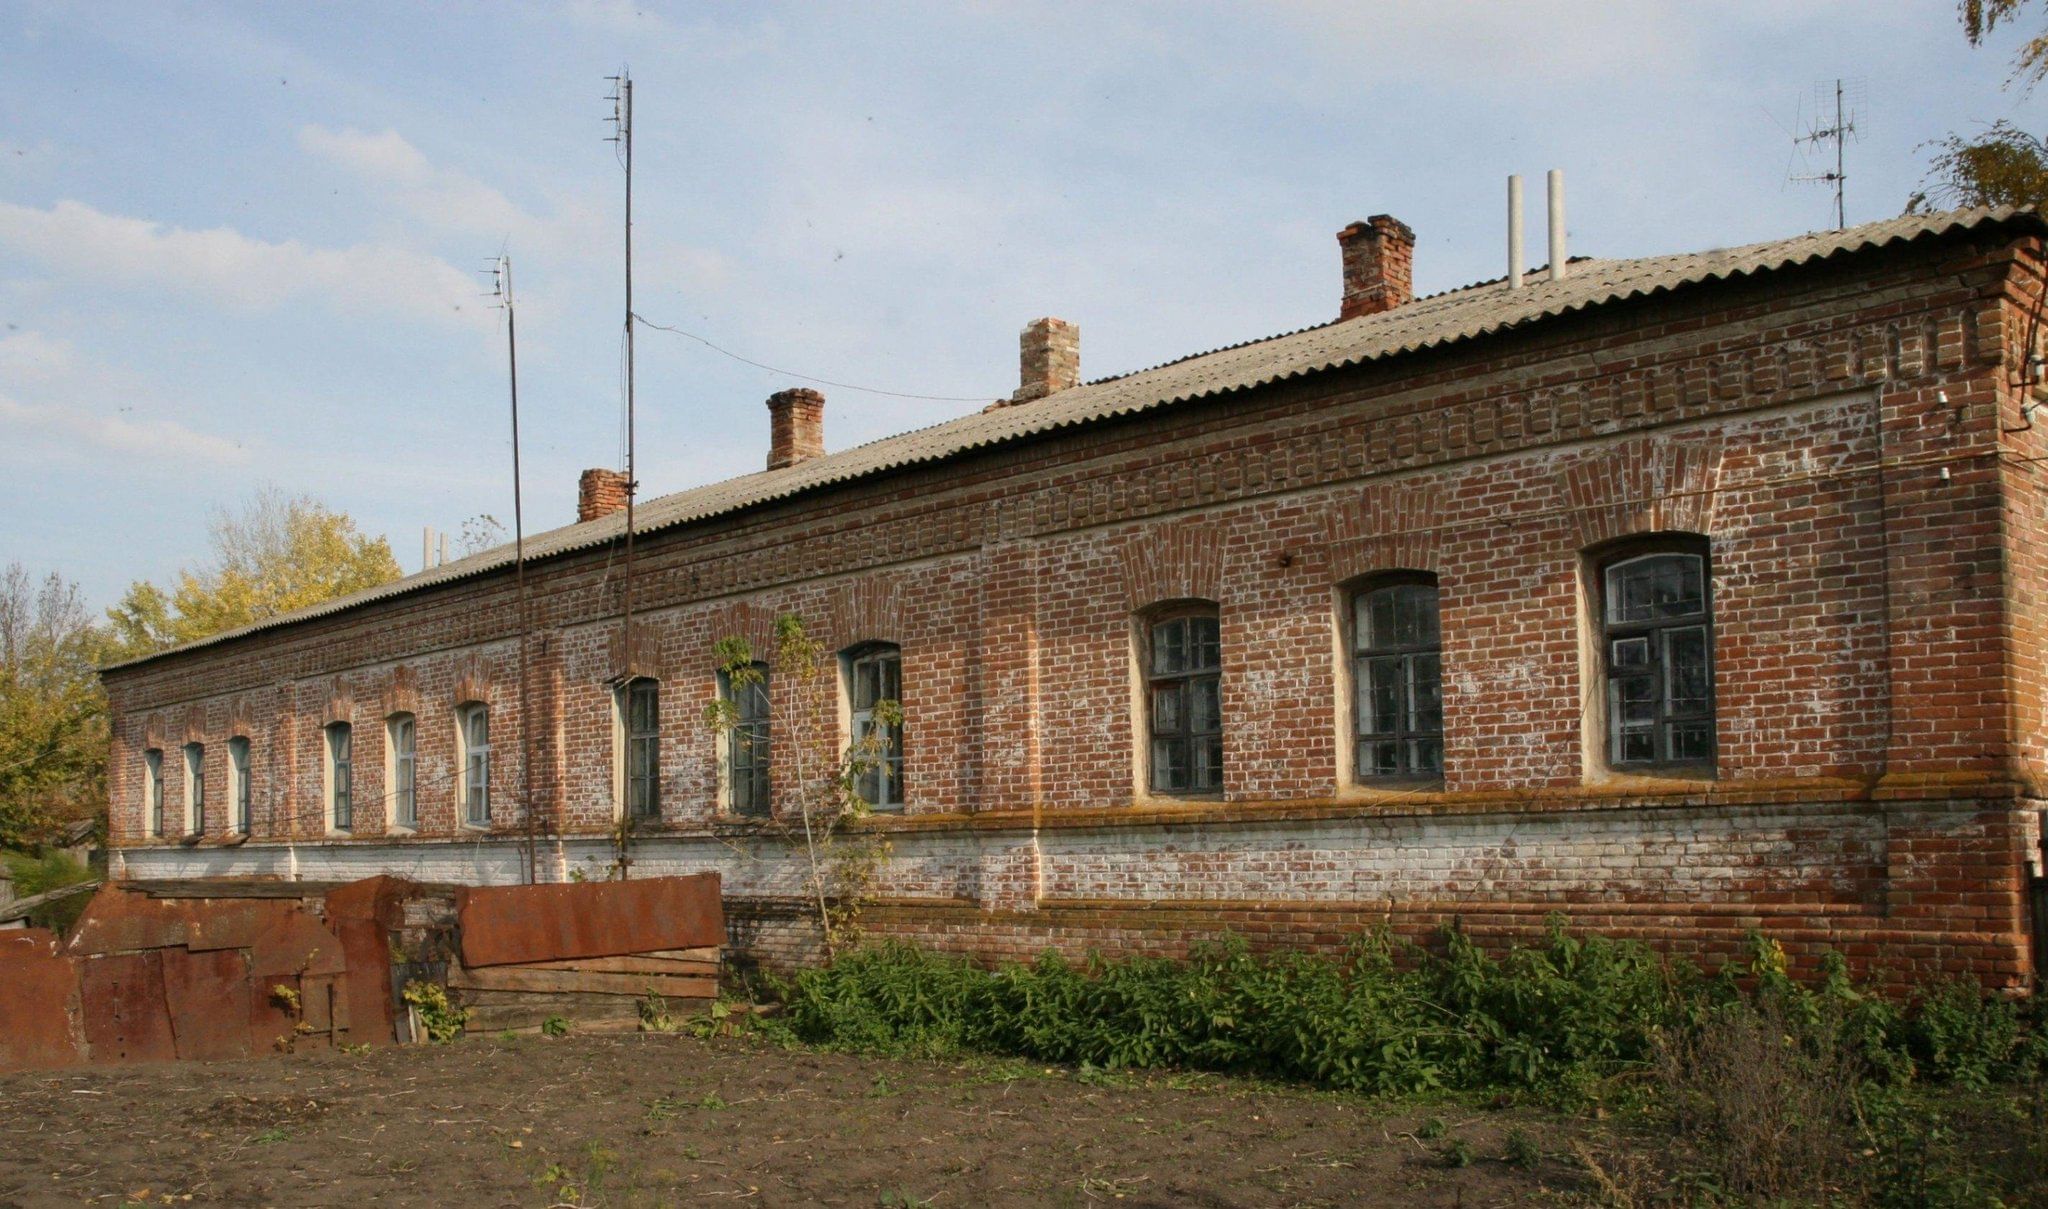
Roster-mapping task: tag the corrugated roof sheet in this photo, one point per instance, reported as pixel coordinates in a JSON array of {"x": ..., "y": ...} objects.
[{"x": 1448, "y": 318}]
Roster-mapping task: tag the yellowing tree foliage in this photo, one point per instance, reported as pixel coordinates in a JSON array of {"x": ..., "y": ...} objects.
[
  {"x": 2004, "y": 166},
  {"x": 53, "y": 719},
  {"x": 277, "y": 554}
]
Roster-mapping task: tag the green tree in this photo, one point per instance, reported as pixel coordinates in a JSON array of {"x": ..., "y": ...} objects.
[
  {"x": 276, "y": 554},
  {"x": 2004, "y": 166},
  {"x": 53, "y": 716}
]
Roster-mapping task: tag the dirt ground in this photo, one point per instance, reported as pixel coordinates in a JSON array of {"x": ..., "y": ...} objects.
[{"x": 656, "y": 1120}]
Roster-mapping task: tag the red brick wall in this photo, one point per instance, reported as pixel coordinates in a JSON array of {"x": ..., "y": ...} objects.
[{"x": 1875, "y": 632}]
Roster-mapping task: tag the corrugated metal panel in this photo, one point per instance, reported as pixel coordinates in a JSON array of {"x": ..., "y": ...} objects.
[{"x": 1444, "y": 319}]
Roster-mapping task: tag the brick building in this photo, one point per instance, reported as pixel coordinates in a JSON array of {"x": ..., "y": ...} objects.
[{"x": 1684, "y": 595}]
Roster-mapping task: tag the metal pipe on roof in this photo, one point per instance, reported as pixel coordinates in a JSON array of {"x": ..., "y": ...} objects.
[
  {"x": 1557, "y": 257},
  {"x": 1515, "y": 231}
]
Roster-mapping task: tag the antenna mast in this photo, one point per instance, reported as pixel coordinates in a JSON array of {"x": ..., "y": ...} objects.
[
  {"x": 622, "y": 122},
  {"x": 502, "y": 276},
  {"x": 1838, "y": 134}
]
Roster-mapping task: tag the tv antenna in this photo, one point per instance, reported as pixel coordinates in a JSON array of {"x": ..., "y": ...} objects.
[
  {"x": 1847, "y": 97},
  {"x": 501, "y": 289},
  {"x": 622, "y": 134}
]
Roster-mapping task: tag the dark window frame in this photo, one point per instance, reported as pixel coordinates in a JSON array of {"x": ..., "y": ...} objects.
[
  {"x": 239, "y": 785},
  {"x": 153, "y": 790},
  {"x": 640, "y": 750},
  {"x": 1417, "y": 662},
  {"x": 748, "y": 752},
  {"x": 402, "y": 741},
  {"x": 882, "y": 785},
  {"x": 341, "y": 776},
  {"x": 475, "y": 806},
  {"x": 1651, "y": 650},
  {"x": 1184, "y": 754},
  {"x": 195, "y": 789}
]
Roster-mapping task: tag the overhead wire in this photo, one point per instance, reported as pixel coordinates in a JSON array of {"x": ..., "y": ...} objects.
[{"x": 644, "y": 321}]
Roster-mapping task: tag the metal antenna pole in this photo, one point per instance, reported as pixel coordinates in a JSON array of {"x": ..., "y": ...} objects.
[
  {"x": 519, "y": 579},
  {"x": 1841, "y": 214},
  {"x": 632, "y": 482}
]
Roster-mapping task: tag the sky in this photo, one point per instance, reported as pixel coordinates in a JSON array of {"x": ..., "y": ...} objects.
[{"x": 243, "y": 244}]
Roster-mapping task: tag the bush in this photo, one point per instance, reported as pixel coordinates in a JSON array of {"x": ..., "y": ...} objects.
[{"x": 40, "y": 874}]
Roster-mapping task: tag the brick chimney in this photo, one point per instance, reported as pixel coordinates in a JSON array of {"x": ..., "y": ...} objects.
[
  {"x": 1379, "y": 265},
  {"x": 796, "y": 427},
  {"x": 599, "y": 493},
  {"x": 1049, "y": 359}
]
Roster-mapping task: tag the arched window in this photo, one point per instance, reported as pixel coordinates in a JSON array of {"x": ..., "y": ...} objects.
[
  {"x": 238, "y": 784},
  {"x": 473, "y": 736},
  {"x": 746, "y": 753},
  {"x": 1183, "y": 661},
  {"x": 1397, "y": 679},
  {"x": 874, "y": 674},
  {"x": 1656, "y": 619},
  {"x": 341, "y": 777},
  {"x": 639, "y": 706},
  {"x": 401, "y": 755},
  {"x": 153, "y": 790},
  {"x": 195, "y": 789}
]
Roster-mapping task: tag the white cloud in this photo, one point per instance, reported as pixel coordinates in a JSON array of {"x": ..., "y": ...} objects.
[
  {"x": 417, "y": 187},
  {"x": 31, "y": 356},
  {"x": 225, "y": 266},
  {"x": 79, "y": 431}
]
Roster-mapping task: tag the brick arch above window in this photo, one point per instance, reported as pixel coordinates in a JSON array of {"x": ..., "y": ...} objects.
[
  {"x": 154, "y": 728},
  {"x": 647, "y": 655},
  {"x": 401, "y": 693},
  {"x": 1179, "y": 560},
  {"x": 242, "y": 715},
  {"x": 1385, "y": 527},
  {"x": 1642, "y": 486},
  {"x": 192, "y": 724},
  {"x": 338, "y": 705},
  {"x": 472, "y": 681},
  {"x": 863, "y": 610},
  {"x": 740, "y": 619}
]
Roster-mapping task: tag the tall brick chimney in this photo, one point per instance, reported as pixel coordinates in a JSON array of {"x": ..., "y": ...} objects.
[
  {"x": 1049, "y": 359},
  {"x": 600, "y": 492},
  {"x": 796, "y": 427},
  {"x": 1379, "y": 265}
]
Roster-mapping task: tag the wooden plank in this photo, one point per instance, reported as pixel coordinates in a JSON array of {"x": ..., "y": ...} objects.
[
  {"x": 593, "y": 1013},
  {"x": 626, "y": 965},
  {"x": 521, "y": 978}
]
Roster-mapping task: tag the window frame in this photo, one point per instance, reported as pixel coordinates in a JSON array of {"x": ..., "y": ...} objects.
[
  {"x": 195, "y": 789},
  {"x": 887, "y": 777},
  {"x": 153, "y": 791},
  {"x": 1186, "y": 683},
  {"x": 748, "y": 749},
  {"x": 473, "y": 756},
  {"x": 341, "y": 777},
  {"x": 402, "y": 769},
  {"x": 1356, "y": 657},
  {"x": 240, "y": 785},
  {"x": 631, "y": 744},
  {"x": 1656, "y": 633}
]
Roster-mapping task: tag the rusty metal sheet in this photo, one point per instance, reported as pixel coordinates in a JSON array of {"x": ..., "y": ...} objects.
[
  {"x": 291, "y": 940},
  {"x": 121, "y": 1000},
  {"x": 505, "y": 925},
  {"x": 121, "y": 921},
  {"x": 38, "y": 1003},
  {"x": 272, "y": 1022},
  {"x": 364, "y": 914},
  {"x": 205, "y": 994}
]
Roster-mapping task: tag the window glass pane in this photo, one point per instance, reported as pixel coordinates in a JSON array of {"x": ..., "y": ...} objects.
[
  {"x": 1688, "y": 683},
  {"x": 1425, "y": 756},
  {"x": 1205, "y": 705},
  {"x": 1204, "y": 644},
  {"x": 1425, "y": 693},
  {"x": 1691, "y": 740},
  {"x": 1207, "y": 773},
  {"x": 1169, "y": 764},
  {"x": 1383, "y": 758},
  {"x": 1166, "y": 717},
  {"x": 1636, "y": 699},
  {"x": 1381, "y": 607},
  {"x": 1383, "y": 696},
  {"x": 1170, "y": 647},
  {"x": 1632, "y": 653}
]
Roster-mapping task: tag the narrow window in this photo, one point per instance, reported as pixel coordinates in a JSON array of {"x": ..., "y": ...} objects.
[
  {"x": 1657, "y": 642},
  {"x": 238, "y": 788},
  {"x": 153, "y": 789},
  {"x": 746, "y": 757},
  {"x": 341, "y": 789},
  {"x": 195, "y": 789},
  {"x": 474, "y": 722},
  {"x": 640, "y": 710},
  {"x": 1184, "y": 681},
  {"x": 874, "y": 675},
  {"x": 401, "y": 739},
  {"x": 1397, "y": 677}
]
